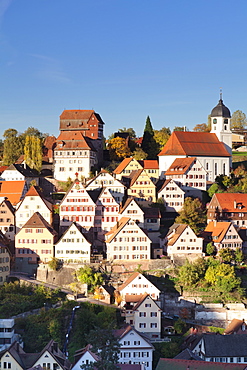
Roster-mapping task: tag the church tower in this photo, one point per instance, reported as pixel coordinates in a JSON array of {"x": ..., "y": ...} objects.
[{"x": 221, "y": 124}]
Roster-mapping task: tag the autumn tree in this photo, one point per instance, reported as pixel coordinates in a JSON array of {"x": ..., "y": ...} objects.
[
  {"x": 202, "y": 127},
  {"x": 129, "y": 130},
  {"x": 238, "y": 121},
  {"x": 193, "y": 214},
  {"x": 161, "y": 137},
  {"x": 33, "y": 152},
  {"x": 118, "y": 149},
  {"x": 222, "y": 276}
]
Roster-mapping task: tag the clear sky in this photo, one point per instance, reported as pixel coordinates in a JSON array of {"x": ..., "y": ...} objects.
[{"x": 125, "y": 59}]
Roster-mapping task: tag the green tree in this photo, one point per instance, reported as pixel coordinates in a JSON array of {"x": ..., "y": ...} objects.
[
  {"x": 239, "y": 256},
  {"x": 210, "y": 249},
  {"x": 33, "y": 152},
  {"x": 179, "y": 128},
  {"x": 149, "y": 145},
  {"x": 180, "y": 326},
  {"x": 54, "y": 264},
  {"x": 238, "y": 121},
  {"x": 88, "y": 275},
  {"x": 223, "y": 278},
  {"x": 226, "y": 255},
  {"x": 12, "y": 148},
  {"x": 193, "y": 214},
  {"x": 139, "y": 154},
  {"x": 107, "y": 346}
]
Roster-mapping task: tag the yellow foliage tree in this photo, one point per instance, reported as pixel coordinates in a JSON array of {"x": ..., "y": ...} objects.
[{"x": 118, "y": 148}]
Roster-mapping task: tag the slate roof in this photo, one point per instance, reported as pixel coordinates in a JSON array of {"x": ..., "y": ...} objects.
[
  {"x": 177, "y": 364},
  {"x": 24, "y": 169},
  {"x": 151, "y": 212},
  {"x": 187, "y": 354},
  {"x": 194, "y": 144},
  {"x": 218, "y": 345}
]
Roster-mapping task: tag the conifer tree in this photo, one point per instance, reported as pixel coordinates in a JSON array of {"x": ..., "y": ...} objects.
[{"x": 149, "y": 145}]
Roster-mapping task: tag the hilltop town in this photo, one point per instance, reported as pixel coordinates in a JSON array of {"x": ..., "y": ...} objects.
[{"x": 157, "y": 231}]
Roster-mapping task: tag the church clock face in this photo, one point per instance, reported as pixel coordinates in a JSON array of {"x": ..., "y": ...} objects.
[
  {"x": 214, "y": 120},
  {"x": 226, "y": 121},
  {"x": 77, "y": 187}
]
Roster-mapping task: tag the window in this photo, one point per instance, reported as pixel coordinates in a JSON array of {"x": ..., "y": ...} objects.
[
  {"x": 137, "y": 342},
  {"x": 153, "y": 314},
  {"x": 142, "y": 314}
]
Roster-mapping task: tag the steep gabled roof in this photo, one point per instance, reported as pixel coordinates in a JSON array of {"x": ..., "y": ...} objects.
[
  {"x": 236, "y": 326},
  {"x": 232, "y": 202},
  {"x": 121, "y": 333},
  {"x": 34, "y": 191},
  {"x": 175, "y": 232},
  {"x": 117, "y": 228},
  {"x": 142, "y": 299},
  {"x": 132, "y": 278},
  {"x": 180, "y": 166},
  {"x": 194, "y": 144},
  {"x": 123, "y": 165},
  {"x": 161, "y": 184},
  {"x": 81, "y": 352},
  {"x": 38, "y": 221},
  {"x": 217, "y": 345},
  {"x": 24, "y": 169},
  {"x": 127, "y": 203},
  {"x": 217, "y": 230}
]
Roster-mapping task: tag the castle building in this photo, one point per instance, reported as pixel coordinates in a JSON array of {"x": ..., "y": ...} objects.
[
  {"x": 213, "y": 149},
  {"x": 79, "y": 146}
]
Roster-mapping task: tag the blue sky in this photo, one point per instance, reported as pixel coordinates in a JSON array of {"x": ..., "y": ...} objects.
[{"x": 125, "y": 59}]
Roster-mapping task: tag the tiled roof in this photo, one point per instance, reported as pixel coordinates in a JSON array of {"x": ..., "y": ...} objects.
[
  {"x": 217, "y": 229},
  {"x": 149, "y": 164},
  {"x": 174, "y": 233},
  {"x": 117, "y": 228},
  {"x": 13, "y": 190},
  {"x": 127, "y": 203},
  {"x": 73, "y": 140},
  {"x": 38, "y": 221},
  {"x": 3, "y": 168},
  {"x": 180, "y": 166},
  {"x": 232, "y": 202},
  {"x": 122, "y": 165},
  {"x": 236, "y": 326},
  {"x": 77, "y": 114},
  {"x": 176, "y": 364},
  {"x": 34, "y": 191},
  {"x": 129, "y": 280},
  {"x": 194, "y": 144}
]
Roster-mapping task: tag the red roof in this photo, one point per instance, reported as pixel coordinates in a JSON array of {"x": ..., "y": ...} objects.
[
  {"x": 180, "y": 166},
  {"x": 122, "y": 165},
  {"x": 149, "y": 164},
  {"x": 76, "y": 114},
  {"x": 194, "y": 144},
  {"x": 72, "y": 140},
  {"x": 13, "y": 190},
  {"x": 232, "y": 202}
]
